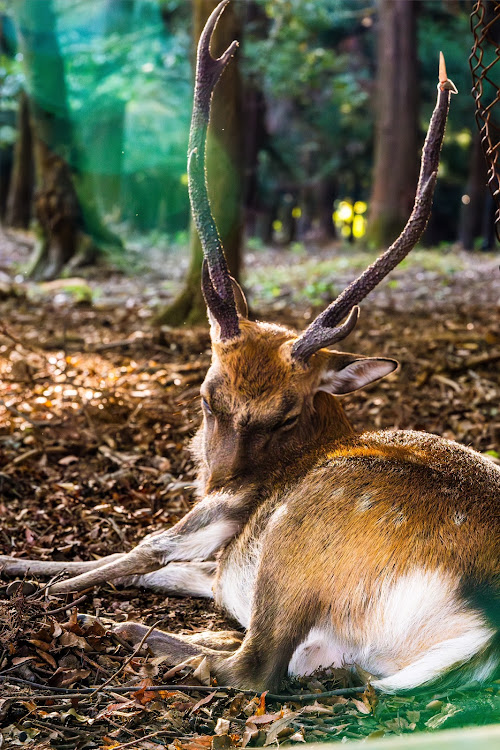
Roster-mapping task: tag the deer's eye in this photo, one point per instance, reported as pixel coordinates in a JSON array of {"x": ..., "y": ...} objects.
[
  {"x": 286, "y": 423},
  {"x": 206, "y": 406}
]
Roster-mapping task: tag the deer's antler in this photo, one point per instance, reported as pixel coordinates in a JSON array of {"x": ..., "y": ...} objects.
[
  {"x": 216, "y": 282},
  {"x": 325, "y": 329}
]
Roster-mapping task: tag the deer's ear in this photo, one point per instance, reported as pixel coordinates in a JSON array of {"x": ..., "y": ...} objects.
[{"x": 345, "y": 373}]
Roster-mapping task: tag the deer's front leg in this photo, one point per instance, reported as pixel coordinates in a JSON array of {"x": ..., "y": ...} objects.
[{"x": 208, "y": 527}]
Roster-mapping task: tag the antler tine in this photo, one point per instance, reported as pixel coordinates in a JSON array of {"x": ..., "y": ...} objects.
[
  {"x": 324, "y": 331},
  {"x": 216, "y": 285}
]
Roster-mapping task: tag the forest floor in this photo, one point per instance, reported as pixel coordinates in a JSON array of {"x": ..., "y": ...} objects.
[{"x": 97, "y": 407}]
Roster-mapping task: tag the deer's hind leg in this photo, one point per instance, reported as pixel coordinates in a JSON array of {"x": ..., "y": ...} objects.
[{"x": 177, "y": 648}]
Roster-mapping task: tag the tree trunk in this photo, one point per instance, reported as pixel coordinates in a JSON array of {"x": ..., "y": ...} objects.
[
  {"x": 396, "y": 129},
  {"x": 7, "y": 117},
  {"x": 224, "y": 169},
  {"x": 57, "y": 203},
  {"x": 19, "y": 203}
]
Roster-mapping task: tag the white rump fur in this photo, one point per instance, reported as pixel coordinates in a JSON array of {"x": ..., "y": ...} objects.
[{"x": 419, "y": 608}]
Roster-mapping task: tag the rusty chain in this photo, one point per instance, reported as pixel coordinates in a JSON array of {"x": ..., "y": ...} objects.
[{"x": 485, "y": 25}]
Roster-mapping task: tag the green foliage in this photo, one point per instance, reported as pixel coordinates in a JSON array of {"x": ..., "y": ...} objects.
[
  {"x": 313, "y": 62},
  {"x": 317, "y": 282},
  {"x": 129, "y": 86},
  {"x": 11, "y": 82},
  {"x": 427, "y": 712}
]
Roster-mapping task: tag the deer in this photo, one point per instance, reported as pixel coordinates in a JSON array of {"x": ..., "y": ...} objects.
[{"x": 330, "y": 548}]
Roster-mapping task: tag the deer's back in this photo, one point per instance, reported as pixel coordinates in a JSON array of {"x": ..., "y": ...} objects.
[{"x": 379, "y": 508}]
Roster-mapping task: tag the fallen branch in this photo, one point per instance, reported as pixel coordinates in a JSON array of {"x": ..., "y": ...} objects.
[
  {"x": 68, "y": 693},
  {"x": 473, "y": 362}
]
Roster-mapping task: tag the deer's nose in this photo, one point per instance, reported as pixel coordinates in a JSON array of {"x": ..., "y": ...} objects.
[{"x": 230, "y": 461}]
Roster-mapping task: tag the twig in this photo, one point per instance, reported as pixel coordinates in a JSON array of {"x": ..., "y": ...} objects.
[
  {"x": 134, "y": 339},
  {"x": 477, "y": 361},
  {"x": 120, "y": 641},
  {"x": 64, "y": 730},
  {"x": 67, "y": 606},
  {"x": 32, "y": 453},
  {"x": 158, "y": 733},
  {"x": 55, "y": 578},
  {"x": 312, "y": 696},
  {"x": 67, "y": 693},
  {"x": 180, "y": 688},
  {"x": 94, "y": 664},
  {"x": 40, "y": 686},
  {"x": 11, "y": 669}
]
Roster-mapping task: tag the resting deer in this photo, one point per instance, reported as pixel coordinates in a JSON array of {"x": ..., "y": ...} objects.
[{"x": 333, "y": 548}]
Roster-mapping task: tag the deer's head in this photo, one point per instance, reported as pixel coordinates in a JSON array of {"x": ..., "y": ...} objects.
[
  {"x": 268, "y": 391},
  {"x": 262, "y": 408}
]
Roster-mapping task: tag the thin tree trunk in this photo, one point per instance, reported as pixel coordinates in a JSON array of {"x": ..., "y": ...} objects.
[
  {"x": 224, "y": 169},
  {"x": 396, "y": 129},
  {"x": 19, "y": 202}
]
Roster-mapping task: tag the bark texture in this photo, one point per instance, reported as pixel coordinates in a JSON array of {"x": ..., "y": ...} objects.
[{"x": 396, "y": 129}]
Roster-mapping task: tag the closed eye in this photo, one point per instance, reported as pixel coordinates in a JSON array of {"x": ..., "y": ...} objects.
[
  {"x": 287, "y": 423},
  {"x": 206, "y": 406}
]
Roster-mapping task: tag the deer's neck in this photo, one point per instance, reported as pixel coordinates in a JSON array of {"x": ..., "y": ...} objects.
[{"x": 329, "y": 421}]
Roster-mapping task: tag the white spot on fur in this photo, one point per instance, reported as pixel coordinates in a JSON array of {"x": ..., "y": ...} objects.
[
  {"x": 365, "y": 502},
  {"x": 278, "y": 514},
  {"x": 319, "y": 650},
  {"x": 399, "y": 517},
  {"x": 459, "y": 518}
]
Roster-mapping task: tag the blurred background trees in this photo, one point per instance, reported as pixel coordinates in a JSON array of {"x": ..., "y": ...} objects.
[{"x": 316, "y": 130}]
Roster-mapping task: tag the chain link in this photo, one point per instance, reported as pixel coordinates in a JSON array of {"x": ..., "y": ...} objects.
[{"x": 485, "y": 25}]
